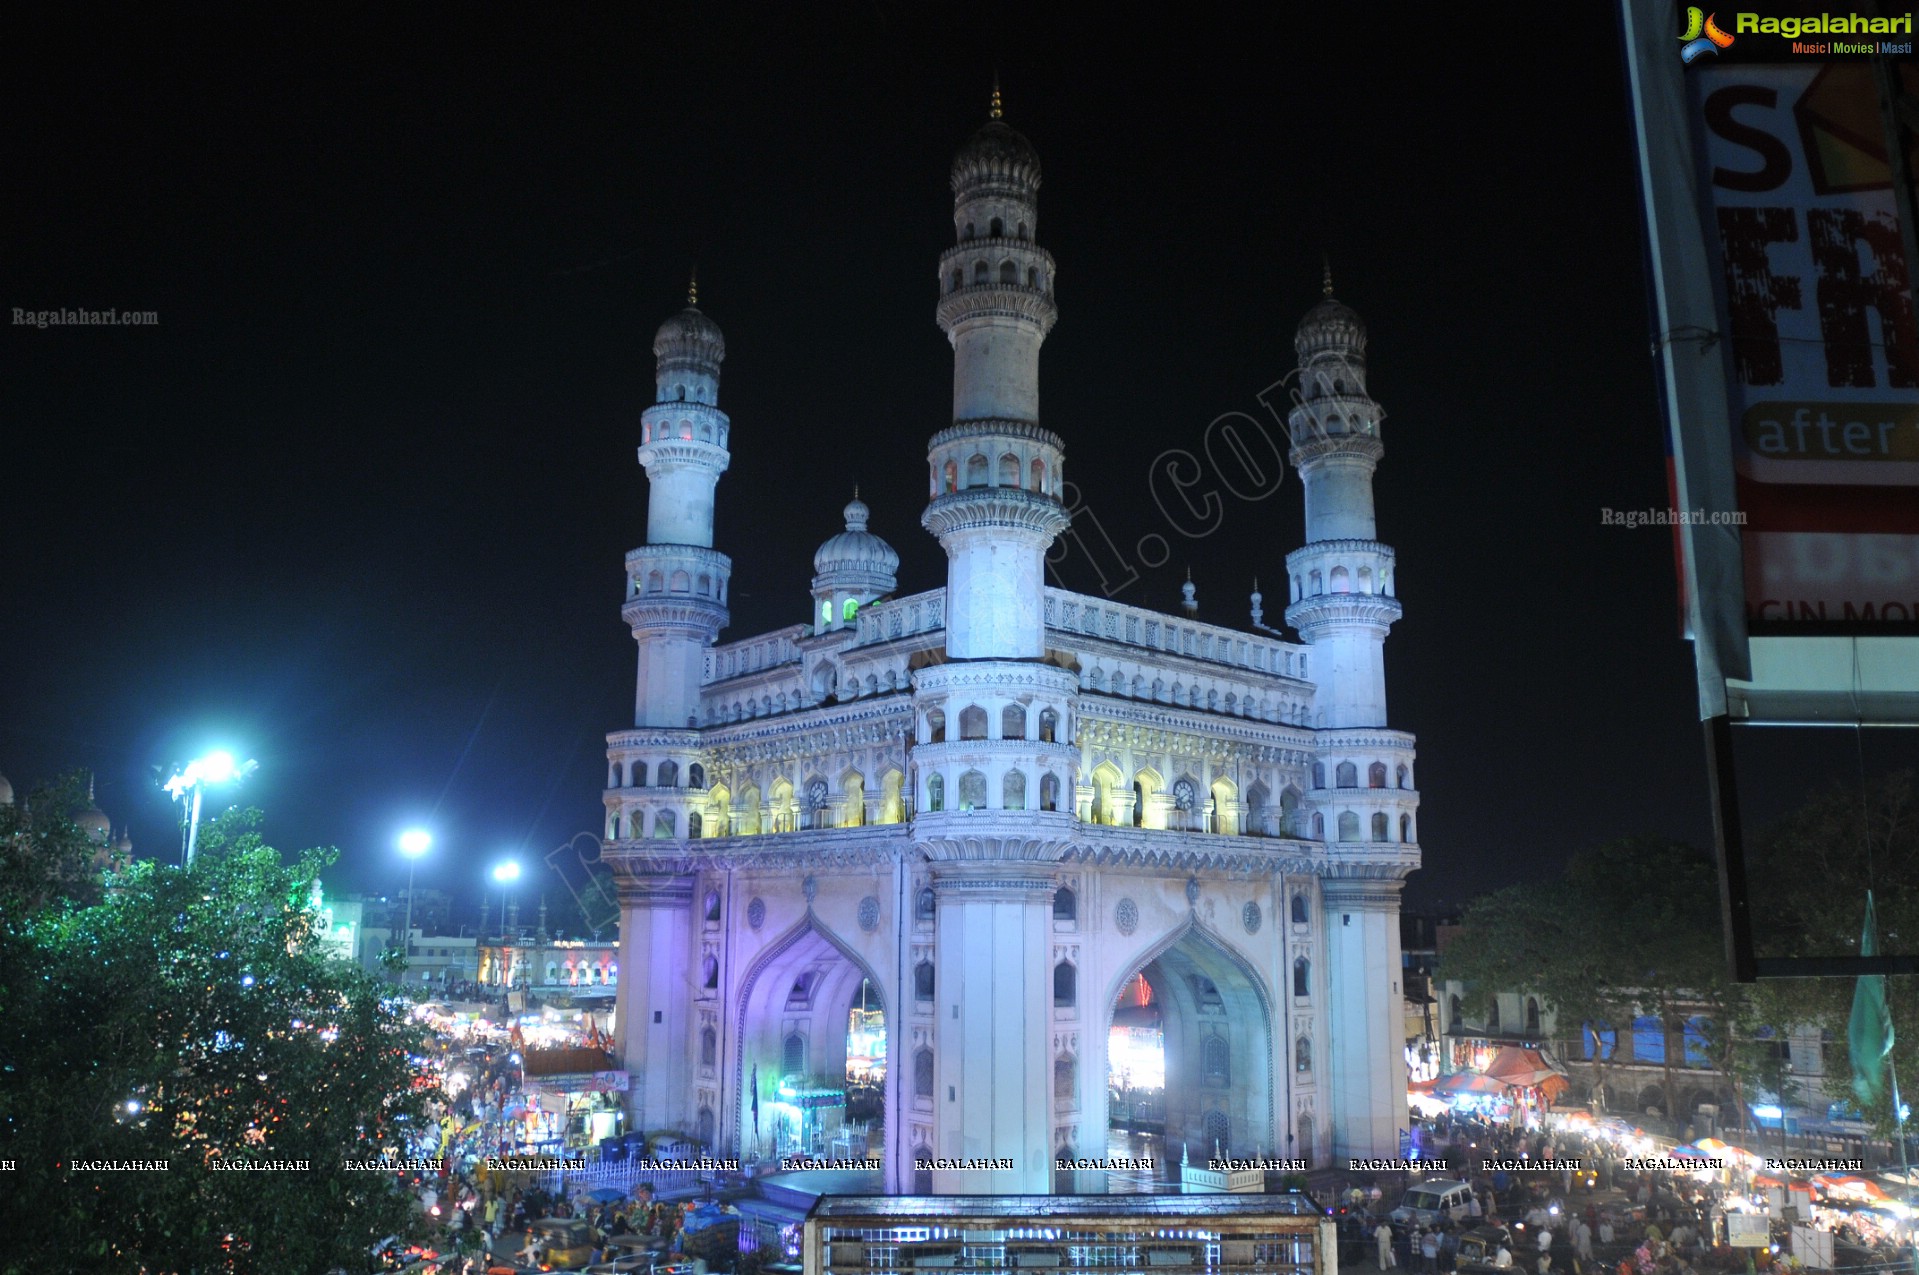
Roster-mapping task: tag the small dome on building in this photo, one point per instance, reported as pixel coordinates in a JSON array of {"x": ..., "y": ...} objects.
[
  {"x": 1331, "y": 327},
  {"x": 856, "y": 549},
  {"x": 6, "y": 791},
  {"x": 690, "y": 334},
  {"x": 997, "y": 155},
  {"x": 94, "y": 823},
  {"x": 123, "y": 844}
]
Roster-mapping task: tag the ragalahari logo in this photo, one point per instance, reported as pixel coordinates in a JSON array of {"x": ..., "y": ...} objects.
[{"x": 1702, "y": 36}]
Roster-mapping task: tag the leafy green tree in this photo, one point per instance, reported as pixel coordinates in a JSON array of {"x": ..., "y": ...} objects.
[
  {"x": 198, "y": 1018},
  {"x": 44, "y": 853}
]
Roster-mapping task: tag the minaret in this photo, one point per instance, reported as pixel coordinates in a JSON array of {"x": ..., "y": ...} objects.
[
  {"x": 995, "y": 770},
  {"x": 676, "y": 583},
  {"x": 1342, "y": 604},
  {"x": 995, "y": 503}
]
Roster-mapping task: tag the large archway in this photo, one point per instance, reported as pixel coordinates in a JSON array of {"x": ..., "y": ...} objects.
[
  {"x": 1213, "y": 1021},
  {"x": 811, "y": 1072}
]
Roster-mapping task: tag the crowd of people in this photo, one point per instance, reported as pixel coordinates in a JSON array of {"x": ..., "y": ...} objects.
[{"x": 1604, "y": 1219}]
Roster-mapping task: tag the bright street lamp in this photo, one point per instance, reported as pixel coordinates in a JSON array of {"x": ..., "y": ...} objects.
[
  {"x": 414, "y": 842},
  {"x": 189, "y": 783},
  {"x": 506, "y": 874}
]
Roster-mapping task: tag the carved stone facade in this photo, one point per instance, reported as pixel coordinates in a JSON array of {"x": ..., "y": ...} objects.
[{"x": 996, "y": 804}]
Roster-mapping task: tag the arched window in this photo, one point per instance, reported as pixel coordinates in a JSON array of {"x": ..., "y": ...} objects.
[
  {"x": 639, "y": 774},
  {"x": 1302, "y": 1054},
  {"x": 968, "y": 232},
  {"x": 1319, "y": 774},
  {"x": 706, "y": 1127},
  {"x": 1289, "y": 813},
  {"x": 1032, "y": 277},
  {"x": 669, "y": 774},
  {"x": 958, "y": 281},
  {"x": 709, "y": 973},
  {"x": 1009, "y": 470},
  {"x": 1453, "y": 1014},
  {"x": 972, "y": 722},
  {"x": 1302, "y": 976},
  {"x": 1376, "y": 775},
  {"x": 1216, "y": 1060},
  {"x": 976, "y": 470},
  {"x": 1065, "y": 904},
  {"x": 1065, "y": 1081},
  {"x": 1348, "y": 826},
  {"x": 1065, "y": 984},
  {"x": 680, "y": 582},
  {"x": 935, "y": 727},
  {"x": 1319, "y": 826},
  {"x": 1021, "y": 232},
  {"x": 1300, "y": 914},
  {"x": 1492, "y": 1018},
  {"x": 1139, "y": 804},
  {"x": 696, "y": 776},
  {"x": 709, "y": 1046},
  {"x": 1381, "y": 830},
  {"x": 1039, "y": 476},
  {"x": 923, "y": 981},
  {"x": 935, "y": 793},
  {"x": 793, "y": 1055},
  {"x": 981, "y": 274},
  {"x": 1532, "y": 1016},
  {"x": 972, "y": 791},
  {"x": 1012, "y": 722},
  {"x": 1406, "y": 828},
  {"x": 1217, "y": 1128},
  {"x": 952, "y": 475},
  {"x": 1049, "y": 791},
  {"x": 713, "y": 905},
  {"x": 996, "y": 228},
  {"x": 1405, "y": 777},
  {"x": 1013, "y": 791},
  {"x": 666, "y": 825},
  {"x": 925, "y": 906},
  {"x": 923, "y": 1154},
  {"x": 1347, "y": 776},
  {"x": 1008, "y": 272},
  {"x": 923, "y": 1075}
]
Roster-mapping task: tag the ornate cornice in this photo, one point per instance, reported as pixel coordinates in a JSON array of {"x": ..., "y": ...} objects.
[
  {"x": 653, "y": 890},
  {"x": 1208, "y": 734},
  {"x": 1317, "y": 449},
  {"x": 691, "y": 452},
  {"x": 999, "y": 836},
  {"x": 854, "y": 724},
  {"x": 1317, "y": 549},
  {"x": 694, "y": 617},
  {"x": 824, "y": 850},
  {"x": 1374, "y": 609},
  {"x": 718, "y": 562},
  {"x": 995, "y": 427},
  {"x": 1009, "y": 679},
  {"x": 1332, "y": 737},
  {"x": 995, "y": 301},
  {"x": 995, "y": 509},
  {"x": 654, "y": 737}
]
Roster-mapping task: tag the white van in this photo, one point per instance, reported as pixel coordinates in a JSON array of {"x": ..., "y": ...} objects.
[{"x": 1433, "y": 1200}]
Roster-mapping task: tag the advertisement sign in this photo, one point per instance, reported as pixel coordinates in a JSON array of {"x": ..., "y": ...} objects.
[
  {"x": 1748, "y": 1230},
  {"x": 1819, "y": 338}
]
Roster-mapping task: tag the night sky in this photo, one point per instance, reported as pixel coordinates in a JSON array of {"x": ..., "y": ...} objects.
[{"x": 357, "y": 505}]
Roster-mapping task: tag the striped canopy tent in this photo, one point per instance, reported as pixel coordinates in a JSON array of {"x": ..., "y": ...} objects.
[
  {"x": 1850, "y": 1186},
  {"x": 1686, "y": 1151},
  {"x": 1469, "y": 1082},
  {"x": 1727, "y": 1151},
  {"x": 1527, "y": 1069}
]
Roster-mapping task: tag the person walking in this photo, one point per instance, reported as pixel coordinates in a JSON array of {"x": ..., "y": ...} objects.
[
  {"x": 1383, "y": 1238},
  {"x": 1429, "y": 1252}
]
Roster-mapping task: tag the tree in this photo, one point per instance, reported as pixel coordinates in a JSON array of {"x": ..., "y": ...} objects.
[
  {"x": 1810, "y": 874},
  {"x": 44, "y": 853},
  {"x": 1630, "y": 928},
  {"x": 197, "y": 1018}
]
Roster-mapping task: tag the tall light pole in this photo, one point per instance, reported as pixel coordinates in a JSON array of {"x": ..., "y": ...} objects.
[
  {"x": 190, "y": 782},
  {"x": 506, "y": 874},
  {"x": 414, "y": 842}
]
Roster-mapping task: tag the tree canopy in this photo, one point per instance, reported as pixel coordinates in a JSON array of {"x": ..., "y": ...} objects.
[{"x": 197, "y": 1018}]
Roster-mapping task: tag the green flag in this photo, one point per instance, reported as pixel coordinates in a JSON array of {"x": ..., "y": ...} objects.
[{"x": 1869, "y": 1034}]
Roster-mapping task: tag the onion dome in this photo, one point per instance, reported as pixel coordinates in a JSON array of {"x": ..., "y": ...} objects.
[
  {"x": 997, "y": 155},
  {"x": 856, "y": 552},
  {"x": 6, "y": 791},
  {"x": 689, "y": 336},
  {"x": 123, "y": 844},
  {"x": 93, "y": 820},
  {"x": 1331, "y": 327}
]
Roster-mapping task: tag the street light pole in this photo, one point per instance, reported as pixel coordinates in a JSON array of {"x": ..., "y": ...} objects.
[
  {"x": 190, "y": 783},
  {"x": 414, "y": 842}
]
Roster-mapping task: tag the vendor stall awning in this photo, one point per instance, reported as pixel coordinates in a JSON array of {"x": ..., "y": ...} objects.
[
  {"x": 1465, "y": 1082},
  {"x": 1526, "y": 1069}
]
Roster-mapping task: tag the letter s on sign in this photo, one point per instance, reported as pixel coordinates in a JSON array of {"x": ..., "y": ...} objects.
[{"x": 1777, "y": 160}]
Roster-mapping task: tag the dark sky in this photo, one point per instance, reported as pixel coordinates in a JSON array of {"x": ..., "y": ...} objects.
[{"x": 357, "y": 505}]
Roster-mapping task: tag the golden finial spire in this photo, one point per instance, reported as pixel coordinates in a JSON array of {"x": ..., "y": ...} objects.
[
  {"x": 1326, "y": 275},
  {"x": 994, "y": 111},
  {"x": 693, "y": 285},
  {"x": 856, "y": 491}
]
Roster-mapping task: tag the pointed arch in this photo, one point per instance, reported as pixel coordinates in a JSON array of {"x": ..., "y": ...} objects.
[
  {"x": 1147, "y": 813},
  {"x": 763, "y": 1020}
]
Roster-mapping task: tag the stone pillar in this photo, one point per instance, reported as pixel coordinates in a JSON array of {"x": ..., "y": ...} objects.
[
  {"x": 992, "y": 1079},
  {"x": 1365, "y": 1080},
  {"x": 655, "y": 999}
]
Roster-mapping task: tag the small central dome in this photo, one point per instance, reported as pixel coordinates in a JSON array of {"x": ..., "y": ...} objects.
[
  {"x": 856, "y": 549},
  {"x": 1331, "y": 327},
  {"x": 996, "y": 155},
  {"x": 690, "y": 334}
]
